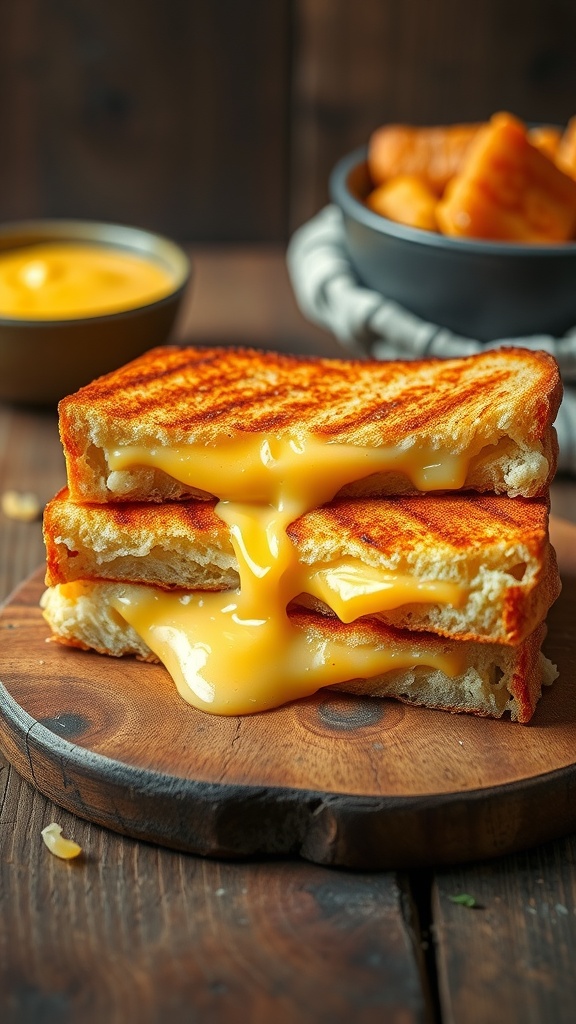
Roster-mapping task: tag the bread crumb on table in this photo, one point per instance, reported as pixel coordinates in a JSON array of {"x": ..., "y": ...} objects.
[{"x": 24, "y": 506}]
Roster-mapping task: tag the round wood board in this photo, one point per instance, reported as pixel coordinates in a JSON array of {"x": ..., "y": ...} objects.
[{"x": 352, "y": 781}]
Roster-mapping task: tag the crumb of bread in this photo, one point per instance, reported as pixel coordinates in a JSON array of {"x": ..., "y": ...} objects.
[{"x": 26, "y": 506}]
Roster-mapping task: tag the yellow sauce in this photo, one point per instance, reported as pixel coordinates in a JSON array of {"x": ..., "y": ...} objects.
[{"x": 66, "y": 280}]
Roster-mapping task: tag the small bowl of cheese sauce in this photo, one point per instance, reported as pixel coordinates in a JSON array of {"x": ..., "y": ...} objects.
[{"x": 78, "y": 299}]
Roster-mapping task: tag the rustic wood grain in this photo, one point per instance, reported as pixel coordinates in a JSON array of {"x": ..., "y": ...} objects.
[
  {"x": 140, "y": 932},
  {"x": 133, "y": 932},
  {"x": 512, "y": 958},
  {"x": 339, "y": 780},
  {"x": 221, "y": 121},
  {"x": 171, "y": 116}
]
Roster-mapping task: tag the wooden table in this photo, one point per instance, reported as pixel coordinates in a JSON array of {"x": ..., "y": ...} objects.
[{"x": 137, "y": 932}]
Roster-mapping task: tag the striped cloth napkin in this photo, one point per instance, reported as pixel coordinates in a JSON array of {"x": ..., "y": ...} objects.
[{"x": 367, "y": 324}]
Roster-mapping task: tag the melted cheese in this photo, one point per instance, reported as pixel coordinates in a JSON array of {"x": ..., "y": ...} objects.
[
  {"x": 238, "y": 652},
  {"x": 229, "y": 665},
  {"x": 353, "y": 589},
  {"x": 310, "y": 471}
]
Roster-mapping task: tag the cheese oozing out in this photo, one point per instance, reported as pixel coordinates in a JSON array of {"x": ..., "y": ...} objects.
[
  {"x": 353, "y": 589},
  {"x": 237, "y": 652}
]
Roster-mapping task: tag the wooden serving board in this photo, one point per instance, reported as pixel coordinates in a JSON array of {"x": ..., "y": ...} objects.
[{"x": 360, "y": 782}]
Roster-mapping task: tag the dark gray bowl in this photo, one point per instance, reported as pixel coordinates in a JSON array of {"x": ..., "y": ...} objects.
[
  {"x": 43, "y": 360},
  {"x": 483, "y": 290}
]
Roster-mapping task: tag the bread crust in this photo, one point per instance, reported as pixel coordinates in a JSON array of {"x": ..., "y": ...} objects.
[
  {"x": 499, "y": 406},
  {"x": 496, "y": 547}
]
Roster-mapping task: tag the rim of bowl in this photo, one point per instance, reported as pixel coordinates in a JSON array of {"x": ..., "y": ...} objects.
[
  {"x": 344, "y": 198},
  {"x": 117, "y": 236}
]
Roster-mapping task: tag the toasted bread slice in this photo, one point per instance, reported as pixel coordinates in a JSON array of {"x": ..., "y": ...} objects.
[
  {"x": 181, "y": 545},
  {"x": 494, "y": 679},
  {"x": 495, "y": 549},
  {"x": 492, "y": 411}
]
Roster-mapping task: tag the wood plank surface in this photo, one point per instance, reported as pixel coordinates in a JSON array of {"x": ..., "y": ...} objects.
[
  {"x": 512, "y": 958},
  {"x": 139, "y": 932},
  {"x": 133, "y": 932},
  {"x": 260, "y": 310},
  {"x": 220, "y": 122},
  {"x": 169, "y": 116}
]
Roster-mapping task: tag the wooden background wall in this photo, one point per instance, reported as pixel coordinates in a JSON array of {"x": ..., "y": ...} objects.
[{"x": 219, "y": 121}]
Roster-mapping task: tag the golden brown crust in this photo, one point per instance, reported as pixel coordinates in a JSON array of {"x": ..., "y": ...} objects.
[
  {"x": 522, "y": 609},
  {"x": 493, "y": 530},
  {"x": 179, "y": 396},
  {"x": 402, "y": 523},
  {"x": 524, "y": 671},
  {"x": 194, "y": 520},
  {"x": 526, "y": 683},
  {"x": 488, "y": 679},
  {"x": 169, "y": 545},
  {"x": 204, "y": 392}
]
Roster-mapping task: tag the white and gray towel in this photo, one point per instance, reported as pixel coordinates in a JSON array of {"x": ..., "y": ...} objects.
[{"x": 367, "y": 324}]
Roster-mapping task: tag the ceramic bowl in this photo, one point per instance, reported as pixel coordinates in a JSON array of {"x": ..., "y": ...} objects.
[
  {"x": 483, "y": 290},
  {"x": 43, "y": 360}
]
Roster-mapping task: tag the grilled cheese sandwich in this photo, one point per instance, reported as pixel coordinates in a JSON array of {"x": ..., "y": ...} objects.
[{"x": 273, "y": 438}]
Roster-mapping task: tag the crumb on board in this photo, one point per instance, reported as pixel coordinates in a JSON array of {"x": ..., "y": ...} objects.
[
  {"x": 22, "y": 505},
  {"x": 66, "y": 849}
]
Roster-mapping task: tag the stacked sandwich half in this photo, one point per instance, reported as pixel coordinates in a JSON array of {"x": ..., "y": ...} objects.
[{"x": 266, "y": 526}]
